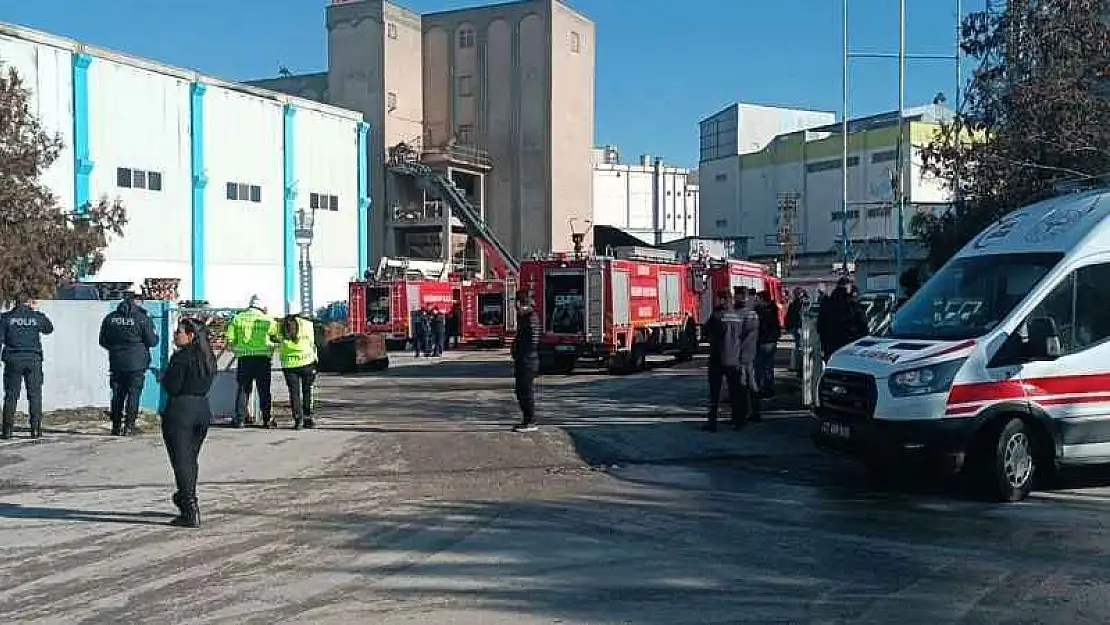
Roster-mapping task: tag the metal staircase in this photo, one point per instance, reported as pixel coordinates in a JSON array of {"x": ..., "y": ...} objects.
[
  {"x": 305, "y": 271},
  {"x": 504, "y": 264}
]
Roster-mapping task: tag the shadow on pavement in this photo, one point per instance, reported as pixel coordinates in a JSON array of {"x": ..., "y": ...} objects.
[{"x": 16, "y": 511}]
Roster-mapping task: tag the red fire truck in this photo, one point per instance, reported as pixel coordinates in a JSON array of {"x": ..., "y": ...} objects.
[
  {"x": 385, "y": 306},
  {"x": 712, "y": 276},
  {"x": 615, "y": 310},
  {"x": 487, "y": 306}
]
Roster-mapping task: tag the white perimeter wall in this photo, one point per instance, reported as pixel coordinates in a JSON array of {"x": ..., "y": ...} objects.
[
  {"x": 139, "y": 120},
  {"x": 243, "y": 140},
  {"x": 47, "y": 72},
  {"x": 326, "y": 157}
]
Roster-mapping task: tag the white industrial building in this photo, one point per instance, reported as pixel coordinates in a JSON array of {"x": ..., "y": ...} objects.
[
  {"x": 793, "y": 181},
  {"x": 651, "y": 201},
  {"x": 212, "y": 174}
]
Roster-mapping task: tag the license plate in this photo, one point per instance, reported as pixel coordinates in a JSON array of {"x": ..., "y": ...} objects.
[
  {"x": 839, "y": 430},
  {"x": 564, "y": 348}
]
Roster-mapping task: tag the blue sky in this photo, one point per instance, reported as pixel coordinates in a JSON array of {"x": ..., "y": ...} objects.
[{"x": 661, "y": 65}]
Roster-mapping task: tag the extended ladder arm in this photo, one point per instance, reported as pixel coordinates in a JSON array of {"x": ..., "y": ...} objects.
[{"x": 504, "y": 262}]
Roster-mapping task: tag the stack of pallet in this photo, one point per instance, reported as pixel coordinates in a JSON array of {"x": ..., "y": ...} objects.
[{"x": 165, "y": 289}]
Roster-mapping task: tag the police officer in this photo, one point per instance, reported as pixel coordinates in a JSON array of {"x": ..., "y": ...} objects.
[
  {"x": 526, "y": 359},
  {"x": 248, "y": 336},
  {"x": 128, "y": 335},
  {"x": 21, "y": 331}
]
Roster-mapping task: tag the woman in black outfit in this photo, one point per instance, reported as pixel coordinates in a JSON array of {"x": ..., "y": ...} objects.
[{"x": 185, "y": 420}]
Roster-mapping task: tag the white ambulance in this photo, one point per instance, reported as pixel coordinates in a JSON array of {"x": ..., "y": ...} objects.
[{"x": 999, "y": 366}]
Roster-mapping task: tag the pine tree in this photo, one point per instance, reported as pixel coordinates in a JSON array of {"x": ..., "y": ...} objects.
[
  {"x": 1035, "y": 116},
  {"x": 42, "y": 247}
]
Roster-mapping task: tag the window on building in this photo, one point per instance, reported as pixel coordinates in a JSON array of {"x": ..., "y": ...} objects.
[
  {"x": 465, "y": 134},
  {"x": 721, "y": 223},
  {"x": 333, "y": 202},
  {"x": 839, "y": 215},
  {"x": 154, "y": 180},
  {"x": 323, "y": 201},
  {"x": 129, "y": 178},
  {"x": 884, "y": 156},
  {"x": 721, "y": 177},
  {"x": 138, "y": 179},
  {"x": 391, "y": 101},
  {"x": 882, "y": 211},
  {"x": 243, "y": 192},
  {"x": 575, "y": 42},
  {"x": 123, "y": 177},
  {"x": 391, "y": 30},
  {"x": 466, "y": 38},
  {"x": 314, "y": 200},
  {"x": 466, "y": 86}
]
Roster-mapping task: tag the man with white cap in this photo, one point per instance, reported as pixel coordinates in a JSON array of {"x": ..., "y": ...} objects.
[{"x": 248, "y": 337}]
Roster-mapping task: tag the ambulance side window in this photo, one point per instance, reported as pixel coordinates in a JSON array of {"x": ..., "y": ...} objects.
[
  {"x": 1092, "y": 306},
  {"x": 1078, "y": 306}
]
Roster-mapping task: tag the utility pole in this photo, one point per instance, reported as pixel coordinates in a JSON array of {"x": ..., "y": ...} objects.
[
  {"x": 845, "y": 243},
  {"x": 903, "y": 155},
  {"x": 788, "y": 211}
]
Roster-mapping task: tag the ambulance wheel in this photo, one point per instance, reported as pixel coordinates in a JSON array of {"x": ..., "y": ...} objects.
[{"x": 1011, "y": 466}]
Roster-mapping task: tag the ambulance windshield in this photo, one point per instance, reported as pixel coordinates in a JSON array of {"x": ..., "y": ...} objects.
[{"x": 968, "y": 297}]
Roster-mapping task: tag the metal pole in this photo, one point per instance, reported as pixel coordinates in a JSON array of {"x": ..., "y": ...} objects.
[
  {"x": 903, "y": 154},
  {"x": 956, "y": 192},
  {"x": 844, "y": 152}
]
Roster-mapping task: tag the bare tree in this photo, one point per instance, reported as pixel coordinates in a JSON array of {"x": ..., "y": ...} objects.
[
  {"x": 42, "y": 247},
  {"x": 1035, "y": 115}
]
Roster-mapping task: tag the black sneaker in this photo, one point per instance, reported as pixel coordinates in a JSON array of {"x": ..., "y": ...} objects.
[{"x": 526, "y": 427}]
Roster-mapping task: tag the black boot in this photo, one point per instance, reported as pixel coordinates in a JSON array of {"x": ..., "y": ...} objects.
[
  {"x": 7, "y": 430},
  {"x": 309, "y": 423},
  {"x": 130, "y": 429},
  {"x": 36, "y": 430},
  {"x": 190, "y": 513},
  {"x": 179, "y": 503},
  {"x": 297, "y": 423},
  {"x": 117, "y": 428}
]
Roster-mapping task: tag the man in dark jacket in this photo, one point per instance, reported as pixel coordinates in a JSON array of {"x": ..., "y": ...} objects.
[
  {"x": 526, "y": 359},
  {"x": 21, "y": 331},
  {"x": 128, "y": 334},
  {"x": 794, "y": 323},
  {"x": 769, "y": 332},
  {"x": 840, "y": 320},
  {"x": 439, "y": 331},
  {"x": 733, "y": 339},
  {"x": 419, "y": 336}
]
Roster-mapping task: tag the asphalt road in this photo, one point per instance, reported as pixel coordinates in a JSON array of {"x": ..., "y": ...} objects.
[{"x": 414, "y": 504}]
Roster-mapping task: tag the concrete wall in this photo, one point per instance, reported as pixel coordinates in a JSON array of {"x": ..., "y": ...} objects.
[
  {"x": 75, "y": 367},
  {"x": 356, "y": 81},
  {"x": 573, "y": 48}
]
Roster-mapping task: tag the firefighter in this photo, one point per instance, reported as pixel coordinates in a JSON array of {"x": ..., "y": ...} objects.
[
  {"x": 454, "y": 326},
  {"x": 128, "y": 335},
  {"x": 733, "y": 335},
  {"x": 248, "y": 336},
  {"x": 526, "y": 360},
  {"x": 187, "y": 380},
  {"x": 21, "y": 331},
  {"x": 439, "y": 331},
  {"x": 296, "y": 342}
]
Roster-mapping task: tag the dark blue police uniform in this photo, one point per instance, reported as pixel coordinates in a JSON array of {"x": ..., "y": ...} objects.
[{"x": 21, "y": 331}]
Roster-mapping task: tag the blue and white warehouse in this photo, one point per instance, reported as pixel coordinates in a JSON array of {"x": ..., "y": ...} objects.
[{"x": 212, "y": 173}]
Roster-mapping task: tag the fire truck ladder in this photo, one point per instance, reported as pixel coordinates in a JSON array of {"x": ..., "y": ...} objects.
[{"x": 433, "y": 181}]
